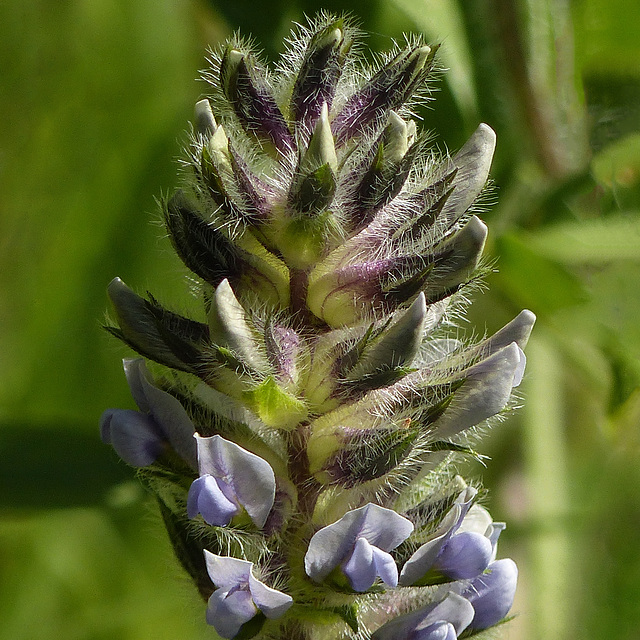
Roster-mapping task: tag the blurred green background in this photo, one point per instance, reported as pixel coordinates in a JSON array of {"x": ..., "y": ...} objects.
[{"x": 95, "y": 96}]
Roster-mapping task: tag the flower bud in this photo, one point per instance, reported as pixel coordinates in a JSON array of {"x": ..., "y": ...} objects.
[
  {"x": 319, "y": 73},
  {"x": 202, "y": 247},
  {"x": 383, "y": 175},
  {"x": 205, "y": 123},
  {"x": 391, "y": 352},
  {"x": 244, "y": 86},
  {"x": 388, "y": 89},
  {"x": 154, "y": 332},
  {"x": 228, "y": 327}
]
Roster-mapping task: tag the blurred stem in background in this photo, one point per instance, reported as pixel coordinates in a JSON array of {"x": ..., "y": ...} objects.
[{"x": 95, "y": 95}]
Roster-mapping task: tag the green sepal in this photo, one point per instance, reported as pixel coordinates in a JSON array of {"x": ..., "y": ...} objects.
[
  {"x": 302, "y": 240},
  {"x": 314, "y": 192},
  {"x": 274, "y": 406},
  {"x": 444, "y": 445},
  {"x": 371, "y": 455},
  {"x": 326, "y": 616}
]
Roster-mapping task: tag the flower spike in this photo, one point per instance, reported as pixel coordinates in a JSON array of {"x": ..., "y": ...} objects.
[{"x": 302, "y": 441}]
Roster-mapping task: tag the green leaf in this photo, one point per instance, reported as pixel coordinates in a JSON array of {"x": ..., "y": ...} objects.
[
  {"x": 589, "y": 241},
  {"x": 534, "y": 281}
]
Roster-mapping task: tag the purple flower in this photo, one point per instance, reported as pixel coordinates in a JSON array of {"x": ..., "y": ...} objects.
[
  {"x": 443, "y": 620},
  {"x": 359, "y": 543},
  {"x": 461, "y": 548},
  {"x": 139, "y": 437},
  {"x": 231, "y": 479},
  {"x": 492, "y": 593},
  {"x": 239, "y": 596}
]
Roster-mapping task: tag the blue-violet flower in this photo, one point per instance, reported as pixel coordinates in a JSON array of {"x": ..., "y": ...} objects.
[
  {"x": 239, "y": 596},
  {"x": 359, "y": 543},
  {"x": 231, "y": 478}
]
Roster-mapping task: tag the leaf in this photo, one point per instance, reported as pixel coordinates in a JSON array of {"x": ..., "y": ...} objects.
[
  {"x": 590, "y": 241},
  {"x": 534, "y": 281}
]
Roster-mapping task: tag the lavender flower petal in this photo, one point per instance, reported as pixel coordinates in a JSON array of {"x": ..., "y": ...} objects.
[
  {"x": 250, "y": 477},
  {"x": 422, "y": 561},
  {"x": 239, "y": 595},
  {"x": 417, "y": 625},
  {"x": 206, "y": 497},
  {"x": 134, "y": 435},
  {"x": 359, "y": 567},
  {"x": 166, "y": 410},
  {"x": 485, "y": 392},
  {"x": 465, "y": 556},
  {"x": 228, "y": 610},
  {"x": 226, "y": 572},
  {"x": 271, "y": 602},
  {"x": 436, "y": 631},
  {"x": 492, "y": 593}
]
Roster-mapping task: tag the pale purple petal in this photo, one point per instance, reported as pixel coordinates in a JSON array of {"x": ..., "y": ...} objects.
[
  {"x": 166, "y": 410},
  {"x": 251, "y": 478},
  {"x": 206, "y": 497},
  {"x": 492, "y": 593},
  {"x": 383, "y": 528},
  {"x": 359, "y": 567},
  {"x": 386, "y": 567},
  {"x": 425, "y": 556},
  {"x": 226, "y": 572},
  {"x": 271, "y": 602},
  {"x": 493, "y": 533},
  {"x": 419, "y": 564},
  {"x": 134, "y": 435},
  {"x": 453, "y": 609},
  {"x": 519, "y": 372},
  {"x": 465, "y": 500},
  {"x": 329, "y": 547},
  {"x": 228, "y": 610},
  {"x": 465, "y": 556},
  {"x": 518, "y": 331},
  {"x": 485, "y": 392},
  {"x": 436, "y": 631}
]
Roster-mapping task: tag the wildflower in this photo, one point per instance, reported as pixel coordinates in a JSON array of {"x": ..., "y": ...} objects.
[
  {"x": 239, "y": 596},
  {"x": 492, "y": 593},
  {"x": 140, "y": 437},
  {"x": 231, "y": 479},
  {"x": 461, "y": 548},
  {"x": 359, "y": 543},
  {"x": 331, "y": 248},
  {"x": 441, "y": 620}
]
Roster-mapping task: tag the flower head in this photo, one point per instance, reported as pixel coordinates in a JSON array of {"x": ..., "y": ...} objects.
[{"x": 333, "y": 247}]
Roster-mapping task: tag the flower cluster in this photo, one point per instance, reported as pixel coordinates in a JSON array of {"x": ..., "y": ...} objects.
[{"x": 300, "y": 435}]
